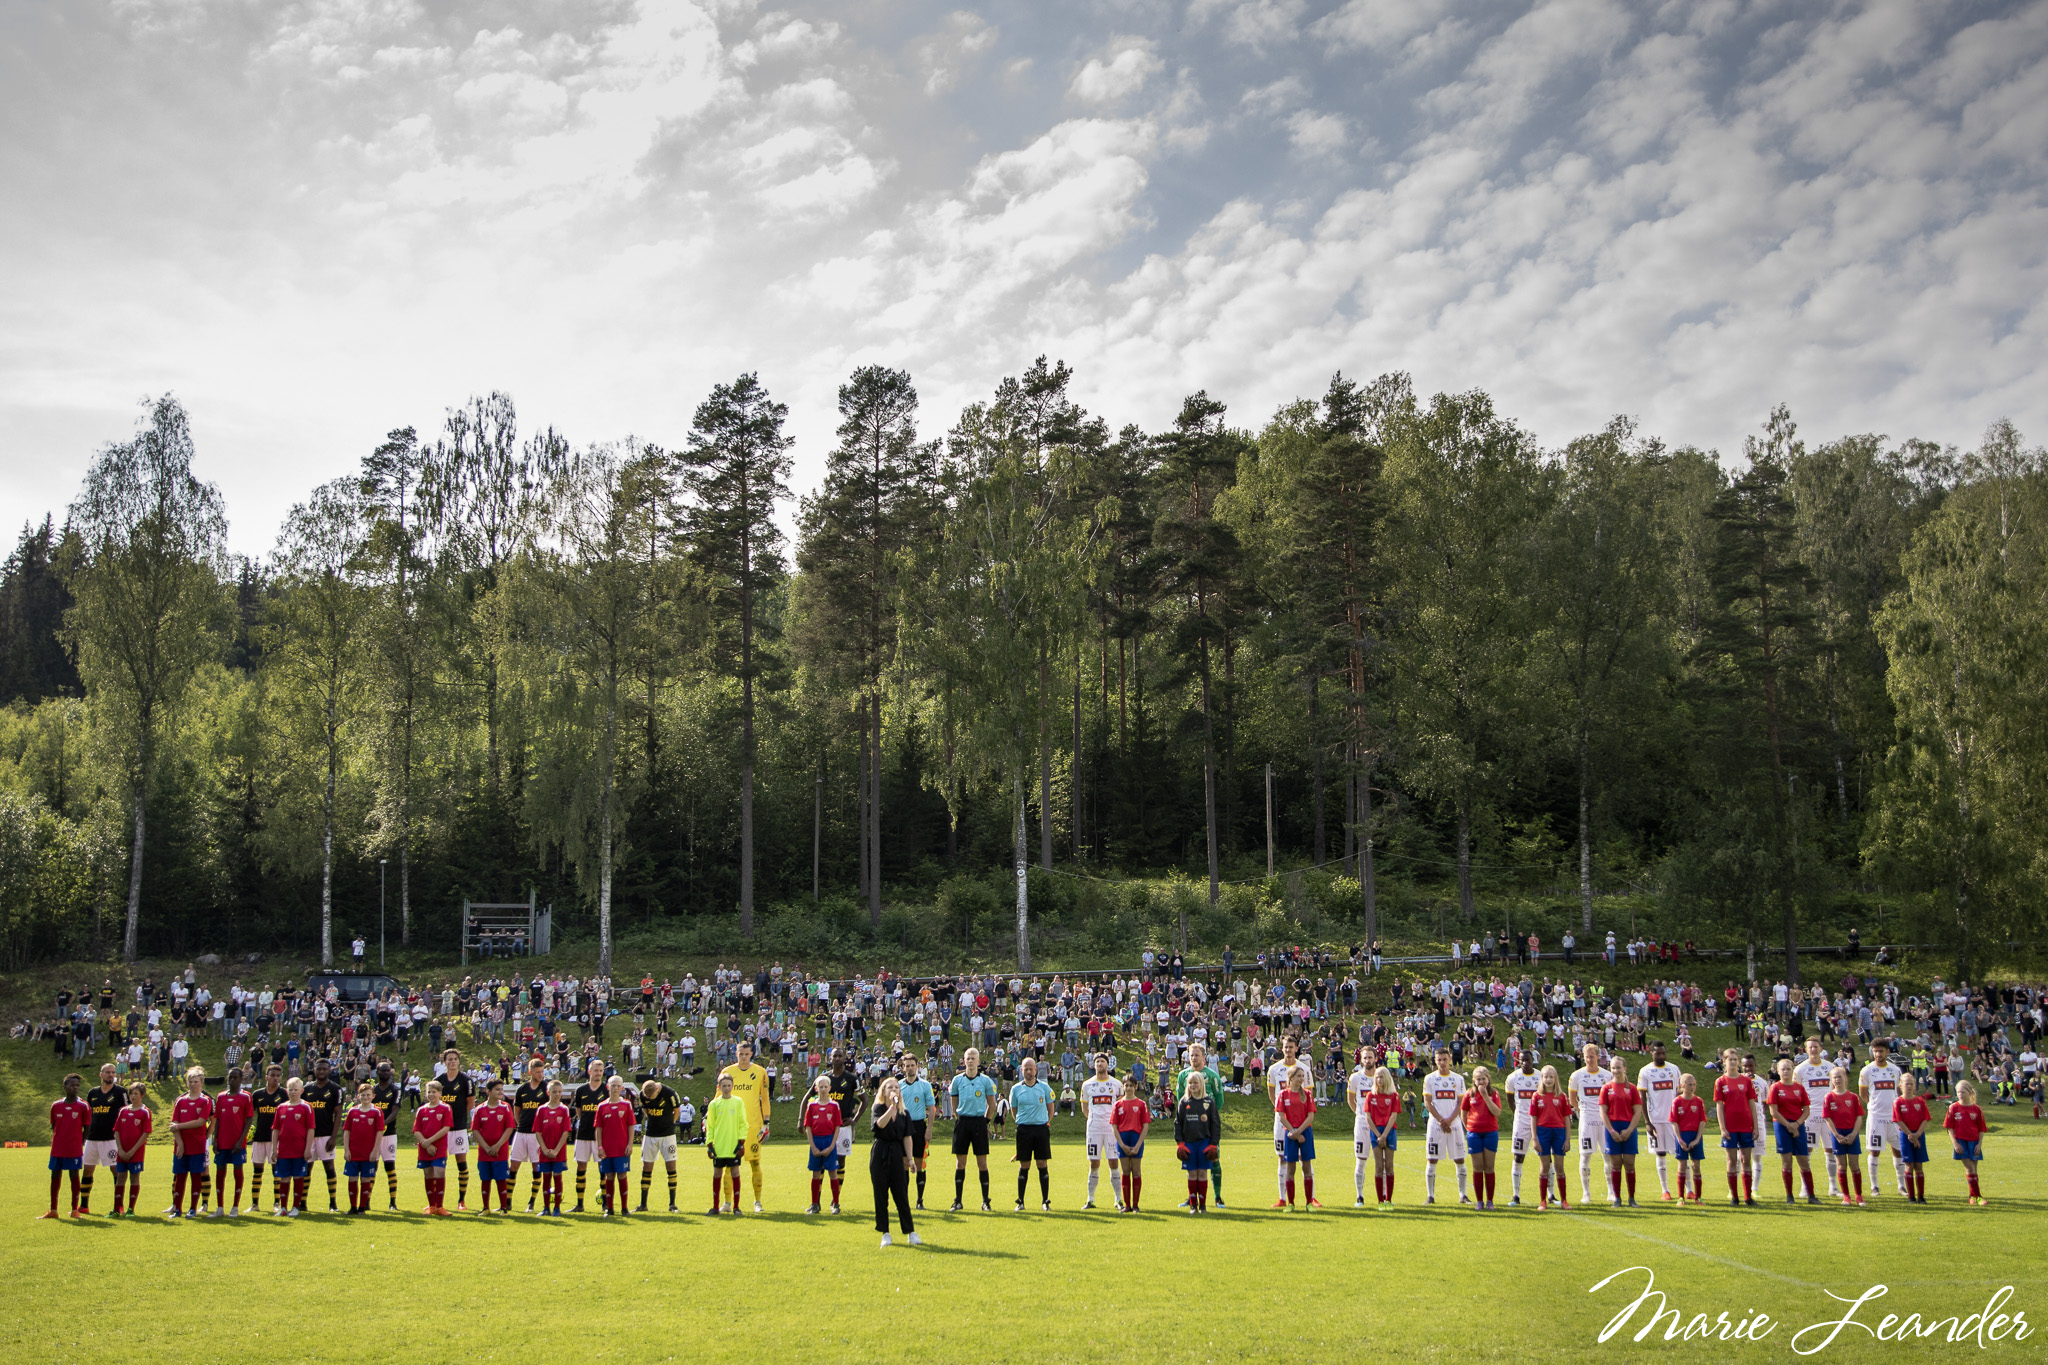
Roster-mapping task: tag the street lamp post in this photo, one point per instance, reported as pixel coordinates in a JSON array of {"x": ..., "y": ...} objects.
[{"x": 380, "y": 914}]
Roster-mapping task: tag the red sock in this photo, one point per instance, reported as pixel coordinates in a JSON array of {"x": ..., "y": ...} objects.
[
  {"x": 119, "y": 1189},
  {"x": 1788, "y": 1183},
  {"x": 1974, "y": 1188},
  {"x": 1193, "y": 1203},
  {"x": 177, "y": 1192},
  {"x": 1748, "y": 1183},
  {"x": 1734, "y": 1190},
  {"x": 1390, "y": 1187},
  {"x": 1542, "y": 1190},
  {"x": 1290, "y": 1189},
  {"x": 1137, "y": 1188},
  {"x": 1630, "y": 1176},
  {"x": 1614, "y": 1184},
  {"x": 717, "y": 1188},
  {"x": 1308, "y": 1187},
  {"x": 1807, "y": 1177},
  {"x": 817, "y": 1187}
]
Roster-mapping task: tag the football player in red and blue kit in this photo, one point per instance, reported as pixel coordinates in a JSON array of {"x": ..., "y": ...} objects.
[
  {"x": 362, "y": 1132},
  {"x": 191, "y": 1117},
  {"x": 234, "y": 1109},
  {"x": 821, "y": 1123},
  {"x": 69, "y": 1118},
  {"x": 616, "y": 1120}
]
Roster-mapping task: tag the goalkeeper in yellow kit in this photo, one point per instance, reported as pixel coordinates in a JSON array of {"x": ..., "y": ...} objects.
[{"x": 750, "y": 1088}]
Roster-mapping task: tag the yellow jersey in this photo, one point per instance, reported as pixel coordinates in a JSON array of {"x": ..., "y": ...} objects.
[{"x": 750, "y": 1088}]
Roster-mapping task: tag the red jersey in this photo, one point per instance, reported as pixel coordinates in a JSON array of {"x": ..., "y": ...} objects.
[
  {"x": 232, "y": 1111},
  {"x": 68, "y": 1119},
  {"x": 1688, "y": 1113},
  {"x": 1381, "y": 1110},
  {"x": 1965, "y": 1122},
  {"x": 132, "y": 1128},
  {"x": 1478, "y": 1118},
  {"x": 1619, "y": 1101},
  {"x": 1737, "y": 1095},
  {"x": 615, "y": 1128},
  {"x": 821, "y": 1118},
  {"x": 1841, "y": 1111},
  {"x": 191, "y": 1141},
  {"x": 490, "y": 1125},
  {"x": 1130, "y": 1115},
  {"x": 292, "y": 1127},
  {"x": 1910, "y": 1113},
  {"x": 1295, "y": 1108},
  {"x": 552, "y": 1124},
  {"x": 430, "y": 1124},
  {"x": 1787, "y": 1102},
  {"x": 361, "y": 1128},
  {"x": 1549, "y": 1111}
]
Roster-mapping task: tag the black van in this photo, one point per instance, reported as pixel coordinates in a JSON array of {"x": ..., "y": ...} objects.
[{"x": 353, "y": 987}]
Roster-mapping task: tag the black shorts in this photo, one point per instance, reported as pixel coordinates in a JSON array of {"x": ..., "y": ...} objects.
[
  {"x": 970, "y": 1133},
  {"x": 724, "y": 1163},
  {"x": 920, "y": 1136},
  {"x": 1034, "y": 1142}
]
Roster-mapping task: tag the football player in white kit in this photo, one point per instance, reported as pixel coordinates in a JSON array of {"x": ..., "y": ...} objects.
[
  {"x": 1585, "y": 1086},
  {"x": 1443, "y": 1091},
  {"x": 1277, "y": 1076},
  {"x": 1099, "y": 1094},
  {"x": 1816, "y": 1073},
  {"x": 1659, "y": 1083},
  {"x": 1520, "y": 1085},
  {"x": 1356, "y": 1087},
  {"x": 1878, "y": 1087}
]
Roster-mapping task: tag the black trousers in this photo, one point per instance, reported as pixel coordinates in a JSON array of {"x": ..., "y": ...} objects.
[{"x": 891, "y": 1184}]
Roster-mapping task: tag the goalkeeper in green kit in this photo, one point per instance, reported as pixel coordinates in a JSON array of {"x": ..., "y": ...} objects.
[{"x": 1198, "y": 1065}]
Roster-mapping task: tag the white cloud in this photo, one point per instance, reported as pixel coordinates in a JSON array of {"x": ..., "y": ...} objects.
[
  {"x": 1318, "y": 134},
  {"x": 1257, "y": 24},
  {"x": 1116, "y": 74},
  {"x": 944, "y": 56}
]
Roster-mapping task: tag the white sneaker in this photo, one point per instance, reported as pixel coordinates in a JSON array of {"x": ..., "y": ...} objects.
[
  {"x": 216, "y": 1212},
  {"x": 757, "y": 1206},
  {"x": 916, "y": 1240},
  {"x": 885, "y": 1239},
  {"x": 235, "y": 1212}
]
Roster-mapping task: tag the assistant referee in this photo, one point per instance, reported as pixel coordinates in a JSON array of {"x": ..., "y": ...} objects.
[{"x": 972, "y": 1094}]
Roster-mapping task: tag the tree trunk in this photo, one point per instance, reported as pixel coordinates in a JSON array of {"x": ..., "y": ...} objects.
[
  {"x": 1349, "y": 865},
  {"x": 817, "y": 828},
  {"x": 1074, "y": 777},
  {"x": 1315, "y": 688},
  {"x": 604, "y": 846},
  {"x": 327, "y": 849},
  {"x": 1269, "y": 820},
  {"x": 134, "y": 881},
  {"x": 1585, "y": 838},
  {"x": 1208, "y": 785},
  {"x": 1023, "y": 882},
  {"x": 405, "y": 820},
  {"x": 1465, "y": 858},
  {"x": 746, "y": 740},
  {"x": 1368, "y": 885},
  {"x": 860, "y": 804},
  {"x": 875, "y": 819},
  {"x": 1044, "y": 768}
]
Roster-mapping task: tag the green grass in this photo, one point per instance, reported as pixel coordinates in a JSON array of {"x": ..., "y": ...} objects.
[{"x": 1248, "y": 1283}]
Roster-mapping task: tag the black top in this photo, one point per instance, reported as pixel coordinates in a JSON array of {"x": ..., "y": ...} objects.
[
  {"x": 886, "y": 1155},
  {"x": 324, "y": 1098},
  {"x": 457, "y": 1092},
  {"x": 385, "y": 1096},
  {"x": 1196, "y": 1123},
  {"x": 266, "y": 1111},
  {"x": 659, "y": 1113},
  {"x": 106, "y": 1105},
  {"x": 585, "y": 1103},
  {"x": 846, "y": 1093},
  {"x": 525, "y": 1100}
]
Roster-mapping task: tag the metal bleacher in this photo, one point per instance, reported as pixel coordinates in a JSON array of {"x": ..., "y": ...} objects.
[{"x": 493, "y": 929}]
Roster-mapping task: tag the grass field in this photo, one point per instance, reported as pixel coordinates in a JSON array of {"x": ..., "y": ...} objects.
[{"x": 1246, "y": 1283}]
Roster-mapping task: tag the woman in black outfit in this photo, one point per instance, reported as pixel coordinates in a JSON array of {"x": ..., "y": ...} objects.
[{"x": 889, "y": 1160}]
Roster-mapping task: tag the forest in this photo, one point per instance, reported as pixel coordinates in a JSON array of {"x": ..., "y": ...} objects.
[{"x": 1355, "y": 671}]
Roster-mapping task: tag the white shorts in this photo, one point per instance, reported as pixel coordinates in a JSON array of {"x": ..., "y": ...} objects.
[
  {"x": 1102, "y": 1144},
  {"x": 1881, "y": 1134},
  {"x": 658, "y": 1148},
  {"x": 320, "y": 1149},
  {"x": 100, "y": 1153},
  {"x": 842, "y": 1144},
  {"x": 458, "y": 1142},
  {"x": 1592, "y": 1135},
  {"x": 387, "y": 1147},
  {"x": 1817, "y": 1134},
  {"x": 1524, "y": 1136},
  {"x": 1663, "y": 1137},
  {"x": 262, "y": 1153},
  {"x": 525, "y": 1148},
  {"x": 1361, "y": 1140},
  {"x": 1443, "y": 1144},
  {"x": 586, "y": 1150}
]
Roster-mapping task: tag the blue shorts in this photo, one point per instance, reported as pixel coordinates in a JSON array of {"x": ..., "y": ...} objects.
[
  {"x": 359, "y": 1170},
  {"x": 1553, "y": 1141},
  {"x": 1691, "y": 1147},
  {"x": 127, "y": 1168},
  {"x": 825, "y": 1159},
  {"x": 1791, "y": 1141},
  {"x": 437, "y": 1164},
  {"x": 1195, "y": 1163},
  {"x": 615, "y": 1165},
  {"x": 1136, "y": 1153},
  {"x": 288, "y": 1168},
  {"x": 1913, "y": 1150},
  {"x": 1845, "y": 1146},
  {"x": 189, "y": 1163},
  {"x": 1483, "y": 1142},
  {"x": 1738, "y": 1141},
  {"x": 66, "y": 1163},
  {"x": 493, "y": 1170},
  {"x": 1623, "y": 1146},
  {"x": 1391, "y": 1141},
  {"x": 230, "y": 1156},
  {"x": 550, "y": 1167},
  {"x": 1293, "y": 1149},
  {"x": 1970, "y": 1151}
]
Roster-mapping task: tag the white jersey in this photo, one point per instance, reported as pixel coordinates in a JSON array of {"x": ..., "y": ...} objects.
[
  {"x": 1883, "y": 1084},
  {"x": 1818, "y": 1078},
  {"x": 1522, "y": 1087},
  {"x": 1356, "y": 1087},
  {"x": 1278, "y": 1076},
  {"x": 1659, "y": 1085},
  {"x": 1440, "y": 1094},
  {"x": 1099, "y": 1099},
  {"x": 1585, "y": 1087}
]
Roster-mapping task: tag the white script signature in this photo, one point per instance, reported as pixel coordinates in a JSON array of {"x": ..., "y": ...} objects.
[{"x": 1987, "y": 1325}]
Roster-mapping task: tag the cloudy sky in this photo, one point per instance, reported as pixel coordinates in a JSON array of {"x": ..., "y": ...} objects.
[{"x": 315, "y": 221}]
